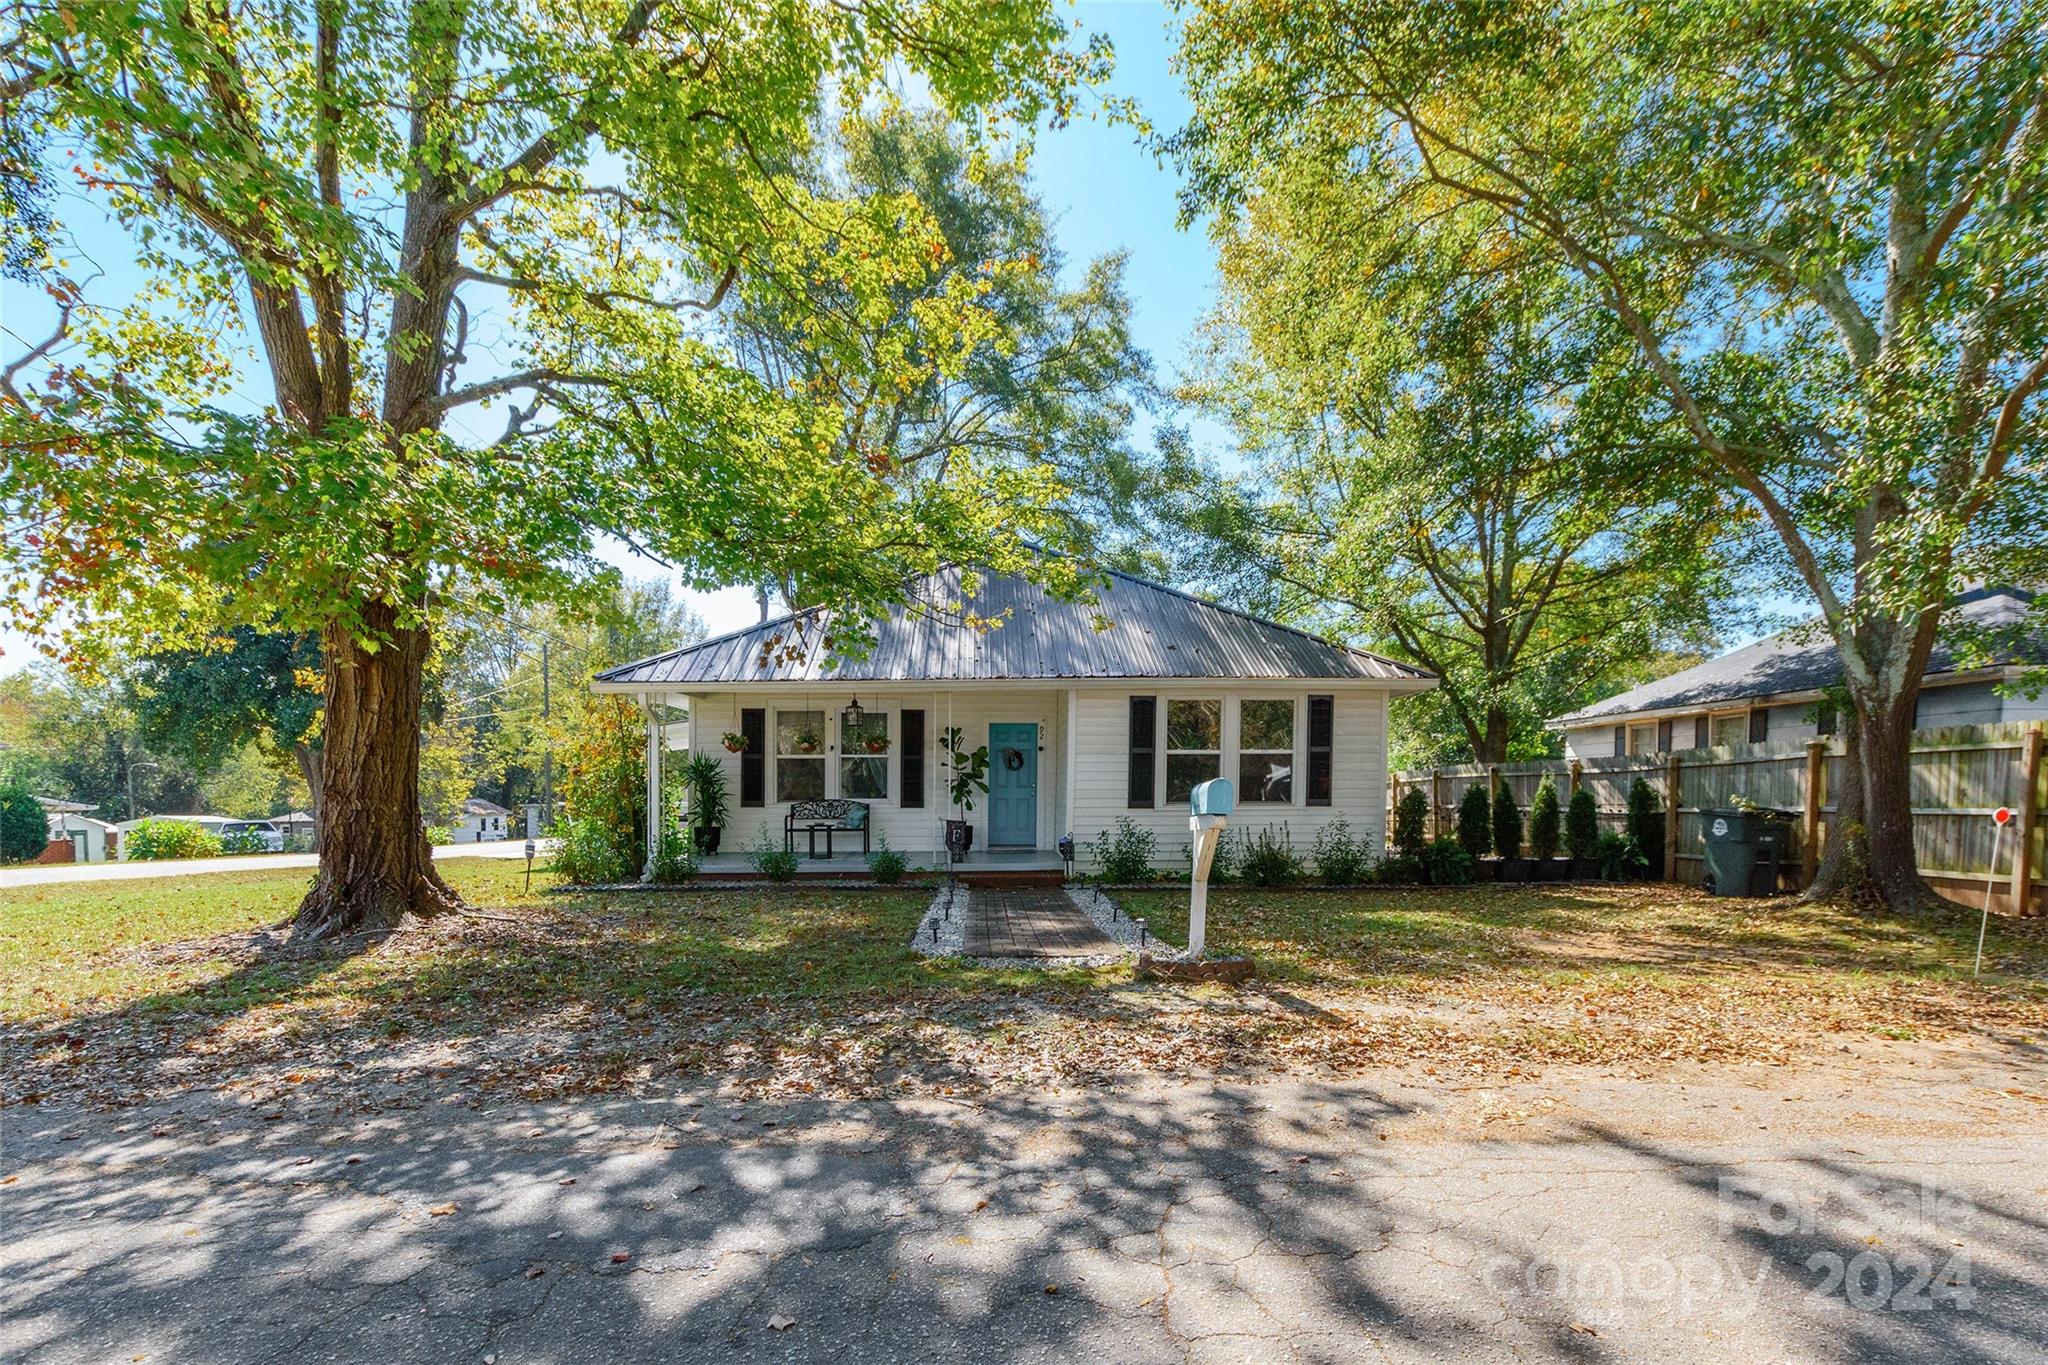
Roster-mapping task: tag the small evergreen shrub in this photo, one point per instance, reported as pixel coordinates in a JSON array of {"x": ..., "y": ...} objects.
[
  {"x": 1399, "y": 870},
  {"x": 1582, "y": 825},
  {"x": 1475, "y": 822},
  {"x": 157, "y": 839},
  {"x": 1507, "y": 824},
  {"x": 1620, "y": 858},
  {"x": 886, "y": 865},
  {"x": 772, "y": 860},
  {"x": 1269, "y": 859},
  {"x": 1446, "y": 863},
  {"x": 1646, "y": 824},
  {"x": 1340, "y": 859},
  {"x": 1411, "y": 817},
  {"x": 1124, "y": 853},
  {"x": 1545, "y": 821}
]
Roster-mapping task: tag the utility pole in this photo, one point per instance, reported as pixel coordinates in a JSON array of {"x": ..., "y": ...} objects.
[
  {"x": 547, "y": 745},
  {"x": 131, "y": 765}
]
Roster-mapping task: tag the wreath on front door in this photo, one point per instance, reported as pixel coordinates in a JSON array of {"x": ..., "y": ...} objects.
[{"x": 1013, "y": 759}]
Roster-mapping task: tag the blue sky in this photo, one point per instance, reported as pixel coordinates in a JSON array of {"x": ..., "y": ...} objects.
[{"x": 1106, "y": 191}]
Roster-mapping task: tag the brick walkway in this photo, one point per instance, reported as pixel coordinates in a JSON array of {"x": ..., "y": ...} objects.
[{"x": 1030, "y": 922}]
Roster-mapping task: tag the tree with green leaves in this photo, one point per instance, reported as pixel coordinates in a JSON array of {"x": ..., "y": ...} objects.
[
  {"x": 423, "y": 209},
  {"x": 24, "y": 829},
  {"x": 1475, "y": 821},
  {"x": 1056, "y": 383},
  {"x": 1818, "y": 227},
  {"x": 1462, "y": 471},
  {"x": 243, "y": 688}
]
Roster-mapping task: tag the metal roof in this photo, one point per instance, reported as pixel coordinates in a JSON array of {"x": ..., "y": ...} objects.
[
  {"x": 1133, "y": 628},
  {"x": 1802, "y": 659}
]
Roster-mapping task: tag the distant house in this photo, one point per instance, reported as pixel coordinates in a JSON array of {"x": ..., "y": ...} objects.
[
  {"x": 92, "y": 841},
  {"x": 1091, "y": 713},
  {"x": 1773, "y": 690},
  {"x": 482, "y": 821},
  {"x": 295, "y": 823}
]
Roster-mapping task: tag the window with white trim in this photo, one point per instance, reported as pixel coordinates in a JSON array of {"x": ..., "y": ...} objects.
[
  {"x": 864, "y": 755},
  {"x": 1642, "y": 739},
  {"x": 1265, "y": 750},
  {"x": 1194, "y": 745},
  {"x": 799, "y": 755},
  {"x": 1728, "y": 727}
]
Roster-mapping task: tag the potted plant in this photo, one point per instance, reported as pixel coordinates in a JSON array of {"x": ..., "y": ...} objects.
[
  {"x": 967, "y": 777},
  {"x": 876, "y": 744},
  {"x": 1507, "y": 836},
  {"x": 805, "y": 741},
  {"x": 704, "y": 776},
  {"x": 1546, "y": 820},
  {"x": 1582, "y": 835},
  {"x": 735, "y": 742}
]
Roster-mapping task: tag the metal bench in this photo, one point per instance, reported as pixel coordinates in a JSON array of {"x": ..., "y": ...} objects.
[{"x": 827, "y": 818}]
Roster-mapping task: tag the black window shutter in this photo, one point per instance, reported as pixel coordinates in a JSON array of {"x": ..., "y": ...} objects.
[
  {"x": 1322, "y": 733},
  {"x": 1825, "y": 721},
  {"x": 1759, "y": 724},
  {"x": 1663, "y": 736},
  {"x": 1621, "y": 741},
  {"x": 1144, "y": 732},
  {"x": 1701, "y": 735},
  {"x": 912, "y": 761},
  {"x": 754, "y": 758}
]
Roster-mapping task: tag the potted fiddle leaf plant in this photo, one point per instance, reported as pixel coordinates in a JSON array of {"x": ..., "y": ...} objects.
[
  {"x": 967, "y": 778},
  {"x": 705, "y": 778}
]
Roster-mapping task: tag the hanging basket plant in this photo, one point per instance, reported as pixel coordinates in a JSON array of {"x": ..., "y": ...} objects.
[
  {"x": 734, "y": 741},
  {"x": 876, "y": 744},
  {"x": 805, "y": 742}
]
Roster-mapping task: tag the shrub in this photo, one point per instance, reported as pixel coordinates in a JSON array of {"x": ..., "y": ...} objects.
[
  {"x": 1269, "y": 858},
  {"x": 604, "y": 780},
  {"x": 156, "y": 839},
  {"x": 677, "y": 860},
  {"x": 1124, "y": 853},
  {"x": 1582, "y": 825},
  {"x": 24, "y": 829},
  {"x": 1399, "y": 870},
  {"x": 592, "y": 853},
  {"x": 242, "y": 841},
  {"x": 1646, "y": 824},
  {"x": 772, "y": 860},
  {"x": 1507, "y": 823},
  {"x": 886, "y": 865},
  {"x": 1545, "y": 817},
  {"x": 1410, "y": 819},
  {"x": 437, "y": 835},
  {"x": 298, "y": 843},
  {"x": 1446, "y": 863},
  {"x": 1340, "y": 859},
  {"x": 1475, "y": 822},
  {"x": 1619, "y": 856}
]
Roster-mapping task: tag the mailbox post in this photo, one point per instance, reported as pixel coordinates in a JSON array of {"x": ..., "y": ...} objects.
[{"x": 1209, "y": 807}]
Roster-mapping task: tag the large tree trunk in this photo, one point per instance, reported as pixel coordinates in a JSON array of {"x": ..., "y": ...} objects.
[
  {"x": 1840, "y": 875},
  {"x": 375, "y": 863},
  {"x": 1870, "y": 862}
]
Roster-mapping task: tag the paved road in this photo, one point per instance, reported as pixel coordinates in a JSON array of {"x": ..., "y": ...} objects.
[
  {"x": 255, "y": 862},
  {"x": 1285, "y": 1222}
]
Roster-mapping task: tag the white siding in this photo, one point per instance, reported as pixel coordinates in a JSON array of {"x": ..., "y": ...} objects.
[{"x": 1358, "y": 790}]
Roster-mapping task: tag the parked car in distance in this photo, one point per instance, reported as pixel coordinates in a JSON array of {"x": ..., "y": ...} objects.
[{"x": 271, "y": 835}]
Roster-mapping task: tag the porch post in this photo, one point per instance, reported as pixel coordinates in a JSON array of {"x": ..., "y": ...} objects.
[
  {"x": 1072, "y": 756},
  {"x": 654, "y": 812}
]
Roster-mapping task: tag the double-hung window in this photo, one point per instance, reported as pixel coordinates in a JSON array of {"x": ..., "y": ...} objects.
[
  {"x": 799, "y": 755},
  {"x": 864, "y": 755},
  {"x": 1642, "y": 739},
  {"x": 1194, "y": 746},
  {"x": 1265, "y": 751},
  {"x": 1729, "y": 727}
]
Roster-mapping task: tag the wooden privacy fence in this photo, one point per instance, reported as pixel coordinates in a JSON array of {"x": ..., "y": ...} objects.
[{"x": 1959, "y": 776}]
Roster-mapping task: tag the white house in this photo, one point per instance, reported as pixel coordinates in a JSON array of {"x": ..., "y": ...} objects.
[
  {"x": 1091, "y": 711},
  {"x": 1775, "y": 689},
  {"x": 482, "y": 822},
  {"x": 68, "y": 822}
]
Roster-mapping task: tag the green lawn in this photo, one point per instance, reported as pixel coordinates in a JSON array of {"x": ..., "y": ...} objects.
[{"x": 130, "y": 987}]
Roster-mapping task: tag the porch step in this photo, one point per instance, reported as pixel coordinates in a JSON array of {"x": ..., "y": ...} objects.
[{"x": 1011, "y": 876}]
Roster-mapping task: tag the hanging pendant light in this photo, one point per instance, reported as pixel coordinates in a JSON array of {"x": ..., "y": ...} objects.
[{"x": 854, "y": 715}]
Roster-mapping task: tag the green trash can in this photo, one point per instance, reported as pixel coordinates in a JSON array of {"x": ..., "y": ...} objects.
[{"x": 1745, "y": 851}]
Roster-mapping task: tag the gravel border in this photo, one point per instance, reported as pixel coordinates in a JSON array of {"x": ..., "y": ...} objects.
[{"x": 943, "y": 930}]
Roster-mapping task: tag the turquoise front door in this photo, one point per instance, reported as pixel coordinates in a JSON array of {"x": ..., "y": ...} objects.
[{"x": 1013, "y": 786}]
